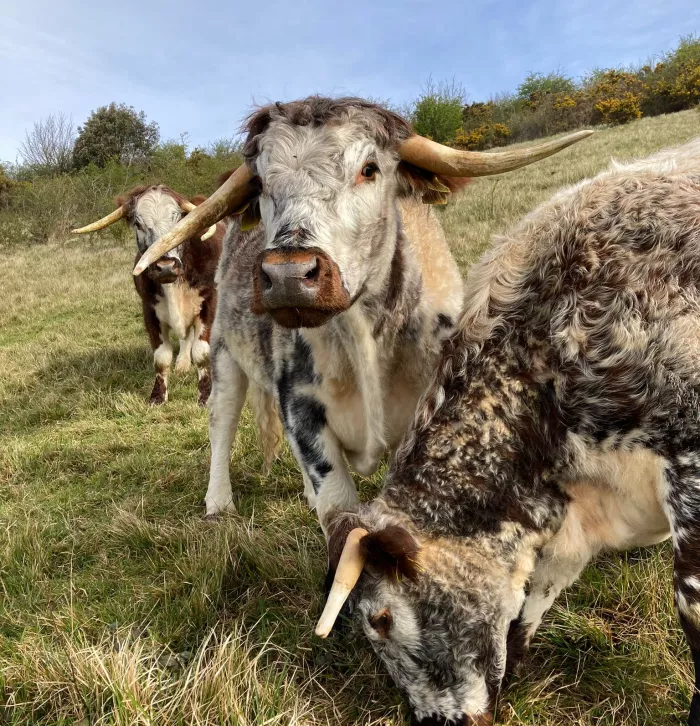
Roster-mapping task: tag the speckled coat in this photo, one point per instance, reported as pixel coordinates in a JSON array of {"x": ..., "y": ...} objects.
[
  {"x": 564, "y": 419},
  {"x": 346, "y": 390}
]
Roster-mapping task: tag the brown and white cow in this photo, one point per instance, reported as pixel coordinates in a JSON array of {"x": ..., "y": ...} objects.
[
  {"x": 178, "y": 293},
  {"x": 338, "y": 302}
]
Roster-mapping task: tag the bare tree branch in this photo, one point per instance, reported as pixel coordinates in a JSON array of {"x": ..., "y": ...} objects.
[{"x": 49, "y": 145}]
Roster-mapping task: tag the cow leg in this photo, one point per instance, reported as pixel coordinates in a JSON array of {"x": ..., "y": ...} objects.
[
  {"x": 683, "y": 508},
  {"x": 201, "y": 353},
  {"x": 162, "y": 358},
  {"x": 228, "y": 394},
  {"x": 184, "y": 353},
  {"x": 560, "y": 563},
  {"x": 327, "y": 482}
]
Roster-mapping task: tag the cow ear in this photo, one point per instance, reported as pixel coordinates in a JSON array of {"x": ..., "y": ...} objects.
[
  {"x": 198, "y": 199},
  {"x": 393, "y": 551},
  {"x": 249, "y": 214},
  {"x": 428, "y": 187}
]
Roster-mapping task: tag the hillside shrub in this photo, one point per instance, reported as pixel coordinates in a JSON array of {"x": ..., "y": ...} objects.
[
  {"x": 674, "y": 82},
  {"x": 616, "y": 96},
  {"x": 437, "y": 113},
  {"x": 46, "y": 209}
]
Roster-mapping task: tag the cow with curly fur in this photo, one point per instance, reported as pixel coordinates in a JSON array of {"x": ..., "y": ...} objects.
[{"x": 563, "y": 420}]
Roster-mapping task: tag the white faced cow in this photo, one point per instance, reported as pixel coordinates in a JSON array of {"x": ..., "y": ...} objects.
[
  {"x": 178, "y": 293},
  {"x": 338, "y": 303}
]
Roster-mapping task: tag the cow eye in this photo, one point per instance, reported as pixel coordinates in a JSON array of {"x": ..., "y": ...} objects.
[
  {"x": 381, "y": 622},
  {"x": 369, "y": 170}
]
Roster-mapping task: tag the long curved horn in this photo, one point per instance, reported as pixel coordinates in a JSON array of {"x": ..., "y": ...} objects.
[
  {"x": 231, "y": 195},
  {"x": 115, "y": 216},
  {"x": 439, "y": 159},
  {"x": 187, "y": 206},
  {"x": 350, "y": 566}
]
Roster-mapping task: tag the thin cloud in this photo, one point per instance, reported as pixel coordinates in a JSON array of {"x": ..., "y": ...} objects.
[{"x": 199, "y": 68}]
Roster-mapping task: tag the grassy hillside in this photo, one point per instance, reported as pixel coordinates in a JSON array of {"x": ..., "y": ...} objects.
[{"x": 120, "y": 605}]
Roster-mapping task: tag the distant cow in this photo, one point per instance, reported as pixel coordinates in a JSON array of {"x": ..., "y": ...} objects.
[
  {"x": 178, "y": 293},
  {"x": 564, "y": 419},
  {"x": 337, "y": 304}
]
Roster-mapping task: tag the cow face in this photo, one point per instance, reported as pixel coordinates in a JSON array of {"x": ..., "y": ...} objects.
[
  {"x": 438, "y": 618},
  {"x": 153, "y": 213},
  {"x": 326, "y": 203}
]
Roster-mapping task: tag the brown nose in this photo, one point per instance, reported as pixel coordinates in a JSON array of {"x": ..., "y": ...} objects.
[
  {"x": 289, "y": 281},
  {"x": 299, "y": 288}
]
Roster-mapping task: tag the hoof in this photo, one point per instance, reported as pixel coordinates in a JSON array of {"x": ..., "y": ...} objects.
[
  {"x": 182, "y": 366},
  {"x": 214, "y": 509},
  {"x": 159, "y": 394}
]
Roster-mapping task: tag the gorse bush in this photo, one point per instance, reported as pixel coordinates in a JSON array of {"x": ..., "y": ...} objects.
[
  {"x": 546, "y": 104},
  {"x": 59, "y": 186},
  {"x": 616, "y": 97}
]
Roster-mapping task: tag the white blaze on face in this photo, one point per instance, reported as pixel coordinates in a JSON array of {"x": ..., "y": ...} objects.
[
  {"x": 312, "y": 181},
  {"x": 156, "y": 213}
]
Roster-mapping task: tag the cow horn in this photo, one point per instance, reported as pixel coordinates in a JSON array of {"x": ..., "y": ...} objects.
[
  {"x": 231, "y": 195},
  {"x": 350, "y": 566},
  {"x": 189, "y": 207},
  {"x": 439, "y": 159},
  {"x": 115, "y": 216}
]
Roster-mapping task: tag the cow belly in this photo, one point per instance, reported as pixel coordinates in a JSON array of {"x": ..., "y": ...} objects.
[
  {"x": 178, "y": 307},
  {"x": 620, "y": 506}
]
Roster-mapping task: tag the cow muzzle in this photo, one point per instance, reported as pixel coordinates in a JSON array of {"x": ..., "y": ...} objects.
[
  {"x": 298, "y": 288},
  {"x": 165, "y": 270}
]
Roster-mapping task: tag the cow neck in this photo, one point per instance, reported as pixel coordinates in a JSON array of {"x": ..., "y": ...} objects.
[{"x": 474, "y": 465}]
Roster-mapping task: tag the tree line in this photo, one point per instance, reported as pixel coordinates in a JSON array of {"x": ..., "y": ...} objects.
[{"x": 67, "y": 173}]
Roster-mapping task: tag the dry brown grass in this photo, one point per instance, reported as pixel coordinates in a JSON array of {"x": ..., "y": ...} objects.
[{"x": 119, "y": 605}]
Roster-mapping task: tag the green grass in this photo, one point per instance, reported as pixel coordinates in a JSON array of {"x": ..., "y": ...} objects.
[{"x": 120, "y": 605}]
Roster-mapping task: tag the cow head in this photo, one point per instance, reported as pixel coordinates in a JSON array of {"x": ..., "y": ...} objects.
[
  {"x": 436, "y": 614},
  {"x": 323, "y": 175},
  {"x": 151, "y": 212}
]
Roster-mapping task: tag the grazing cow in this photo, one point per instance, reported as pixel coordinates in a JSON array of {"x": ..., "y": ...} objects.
[
  {"x": 178, "y": 294},
  {"x": 338, "y": 303},
  {"x": 564, "y": 419}
]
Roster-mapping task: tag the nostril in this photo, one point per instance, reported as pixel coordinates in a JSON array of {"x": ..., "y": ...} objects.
[
  {"x": 266, "y": 280},
  {"x": 313, "y": 272}
]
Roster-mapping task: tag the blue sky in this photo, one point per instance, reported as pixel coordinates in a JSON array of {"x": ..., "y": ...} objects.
[{"x": 198, "y": 67}]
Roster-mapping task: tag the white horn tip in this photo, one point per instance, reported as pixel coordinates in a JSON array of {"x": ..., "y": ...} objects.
[
  {"x": 209, "y": 233},
  {"x": 140, "y": 267},
  {"x": 322, "y": 632}
]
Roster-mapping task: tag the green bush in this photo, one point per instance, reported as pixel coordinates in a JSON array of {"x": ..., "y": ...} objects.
[
  {"x": 46, "y": 209},
  {"x": 437, "y": 113},
  {"x": 118, "y": 132},
  {"x": 537, "y": 87}
]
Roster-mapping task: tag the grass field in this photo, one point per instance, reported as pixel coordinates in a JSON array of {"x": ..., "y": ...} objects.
[{"x": 120, "y": 605}]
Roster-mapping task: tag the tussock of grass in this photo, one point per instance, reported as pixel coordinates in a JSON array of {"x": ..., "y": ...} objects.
[{"x": 120, "y": 605}]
